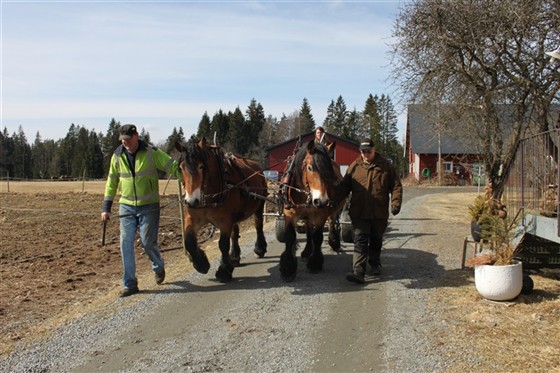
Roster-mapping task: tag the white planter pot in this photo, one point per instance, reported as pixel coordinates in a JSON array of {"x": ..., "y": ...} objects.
[{"x": 499, "y": 282}]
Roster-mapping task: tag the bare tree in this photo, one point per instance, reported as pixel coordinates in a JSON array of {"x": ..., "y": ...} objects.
[{"x": 487, "y": 59}]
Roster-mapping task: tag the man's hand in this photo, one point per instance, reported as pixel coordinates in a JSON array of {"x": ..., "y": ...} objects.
[
  {"x": 105, "y": 216},
  {"x": 395, "y": 210}
]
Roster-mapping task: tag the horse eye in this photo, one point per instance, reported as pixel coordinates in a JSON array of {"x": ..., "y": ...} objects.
[{"x": 309, "y": 168}]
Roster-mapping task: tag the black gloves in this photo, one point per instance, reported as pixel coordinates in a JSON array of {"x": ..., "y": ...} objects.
[{"x": 395, "y": 210}]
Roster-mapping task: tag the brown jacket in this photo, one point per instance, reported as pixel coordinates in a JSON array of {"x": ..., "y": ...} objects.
[{"x": 374, "y": 187}]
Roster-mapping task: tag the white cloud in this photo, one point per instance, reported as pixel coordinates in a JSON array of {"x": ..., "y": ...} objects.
[{"x": 75, "y": 61}]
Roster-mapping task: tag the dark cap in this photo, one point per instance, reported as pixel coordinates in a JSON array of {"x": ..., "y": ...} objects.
[
  {"x": 127, "y": 131},
  {"x": 366, "y": 144}
]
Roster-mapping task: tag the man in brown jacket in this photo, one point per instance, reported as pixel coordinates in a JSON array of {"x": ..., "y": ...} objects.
[{"x": 375, "y": 184}]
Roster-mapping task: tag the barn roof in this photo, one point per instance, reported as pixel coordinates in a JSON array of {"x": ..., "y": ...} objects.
[
  {"x": 424, "y": 138},
  {"x": 454, "y": 137}
]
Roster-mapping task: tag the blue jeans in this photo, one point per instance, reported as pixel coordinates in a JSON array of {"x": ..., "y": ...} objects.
[{"x": 145, "y": 220}]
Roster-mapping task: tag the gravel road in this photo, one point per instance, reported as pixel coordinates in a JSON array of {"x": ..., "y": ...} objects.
[{"x": 258, "y": 323}]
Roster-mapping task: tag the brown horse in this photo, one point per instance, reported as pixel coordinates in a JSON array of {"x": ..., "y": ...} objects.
[
  {"x": 307, "y": 197},
  {"x": 222, "y": 190}
]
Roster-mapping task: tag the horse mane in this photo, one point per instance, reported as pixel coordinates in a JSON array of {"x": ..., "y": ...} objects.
[
  {"x": 322, "y": 163},
  {"x": 192, "y": 154}
]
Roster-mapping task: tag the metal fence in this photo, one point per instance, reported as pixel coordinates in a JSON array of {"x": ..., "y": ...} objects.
[{"x": 532, "y": 185}]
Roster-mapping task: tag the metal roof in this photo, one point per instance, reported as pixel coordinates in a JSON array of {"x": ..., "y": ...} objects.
[{"x": 424, "y": 137}]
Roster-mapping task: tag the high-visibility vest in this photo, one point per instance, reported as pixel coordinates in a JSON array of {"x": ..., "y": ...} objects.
[{"x": 141, "y": 187}]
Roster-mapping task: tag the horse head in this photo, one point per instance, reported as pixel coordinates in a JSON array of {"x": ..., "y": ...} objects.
[
  {"x": 195, "y": 164},
  {"x": 316, "y": 173}
]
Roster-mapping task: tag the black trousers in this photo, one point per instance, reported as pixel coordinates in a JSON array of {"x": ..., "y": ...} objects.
[{"x": 368, "y": 240}]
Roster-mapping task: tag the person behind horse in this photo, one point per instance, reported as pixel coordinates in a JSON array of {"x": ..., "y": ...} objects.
[
  {"x": 320, "y": 136},
  {"x": 134, "y": 164},
  {"x": 374, "y": 183}
]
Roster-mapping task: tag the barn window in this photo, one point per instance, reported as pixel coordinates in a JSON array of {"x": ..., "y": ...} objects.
[{"x": 447, "y": 167}]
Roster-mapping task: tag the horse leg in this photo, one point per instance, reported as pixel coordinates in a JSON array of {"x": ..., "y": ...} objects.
[
  {"x": 334, "y": 233},
  {"x": 315, "y": 261},
  {"x": 224, "y": 272},
  {"x": 306, "y": 253},
  {"x": 260, "y": 244},
  {"x": 198, "y": 257},
  {"x": 235, "y": 252},
  {"x": 288, "y": 259}
]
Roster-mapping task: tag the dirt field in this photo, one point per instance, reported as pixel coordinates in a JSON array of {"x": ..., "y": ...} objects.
[{"x": 52, "y": 263}]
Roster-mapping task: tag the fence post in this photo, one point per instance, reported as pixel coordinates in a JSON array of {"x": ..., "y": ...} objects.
[
  {"x": 8, "y": 180},
  {"x": 84, "y": 180}
]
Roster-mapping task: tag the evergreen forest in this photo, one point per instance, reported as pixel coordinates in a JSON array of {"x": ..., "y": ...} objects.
[{"x": 85, "y": 154}]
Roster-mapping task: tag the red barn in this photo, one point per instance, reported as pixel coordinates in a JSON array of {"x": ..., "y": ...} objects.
[
  {"x": 425, "y": 146},
  {"x": 346, "y": 151}
]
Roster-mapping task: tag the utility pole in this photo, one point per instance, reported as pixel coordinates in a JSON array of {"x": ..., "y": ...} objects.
[
  {"x": 439, "y": 157},
  {"x": 438, "y": 126}
]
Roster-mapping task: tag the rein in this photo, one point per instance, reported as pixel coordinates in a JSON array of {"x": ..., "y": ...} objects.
[
  {"x": 225, "y": 186},
  {"x": 286, "y": 188}
]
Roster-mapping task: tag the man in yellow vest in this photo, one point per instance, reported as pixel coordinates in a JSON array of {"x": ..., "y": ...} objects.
[{"x": 135, "y": 166}]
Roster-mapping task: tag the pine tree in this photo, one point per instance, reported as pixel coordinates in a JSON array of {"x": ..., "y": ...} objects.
[
  {"x": 371, "y": 120},
  {"x": 39, "y": 162},
  {"x": 79, "y": 153},
  {"x": 204, "y": 127},
  {"x": 387, "y": 124},
  {"x": 238, "y": 139},
  {"x": 255, "y": 119},
  {"x": 145, "y": 135},
  {"x": 337, "y": 116},
  {"x": 21, "y": 155},
  {"x": 353, "y": 123},
  {"x": 329, "y": 120},
  {"x": 6, "y": 154},
  {"x": 219, "y": 127},
  {"x": 94, "y": 157},
  {"x": 110, "y": 142},
  {"x": 176, "y": 135},
  {"x": 306, "y": 121}
]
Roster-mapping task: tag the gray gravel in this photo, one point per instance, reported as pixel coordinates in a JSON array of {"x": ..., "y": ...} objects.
[{"x": 258, "y": 323}]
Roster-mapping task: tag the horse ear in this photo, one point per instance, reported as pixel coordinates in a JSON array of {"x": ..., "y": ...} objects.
[
  {"x": 310, "y": 146},
  {"x": 331, "y": 146},
  {"x": 179, "y": 146},
  {"x": 202, "y": 143}
]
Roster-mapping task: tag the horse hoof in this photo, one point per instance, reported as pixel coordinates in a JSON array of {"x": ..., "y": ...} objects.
[
  {"x": 236, "y": 262},
  {"x": 223, "y": 275},
  {"x": 202, "y": 269},
  {"x": 335, "y": 245},
  {"x": 337, "y": 249},
  {"x": 259, "y": 253}
]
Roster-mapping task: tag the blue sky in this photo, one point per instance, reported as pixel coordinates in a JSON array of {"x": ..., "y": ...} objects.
[{"x": 161, "y": 65}]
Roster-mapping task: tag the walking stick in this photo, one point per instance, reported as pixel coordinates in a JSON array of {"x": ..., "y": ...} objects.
[{"x": 104, "y": 230}]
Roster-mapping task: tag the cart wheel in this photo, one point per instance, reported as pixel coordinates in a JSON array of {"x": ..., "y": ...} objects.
[
  {"x": 346, "y": 229},
  {"x": 528, "y": 285},
  {"x": 280, "y": 229},
  {"x": 205, "y": 233}
]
